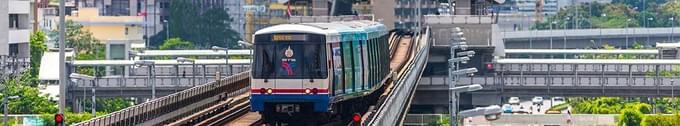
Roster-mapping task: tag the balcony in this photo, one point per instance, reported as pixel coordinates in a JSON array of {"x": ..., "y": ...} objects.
[
  {"x": 19, "y": 7},
  {"x": 19, "y": 36}
]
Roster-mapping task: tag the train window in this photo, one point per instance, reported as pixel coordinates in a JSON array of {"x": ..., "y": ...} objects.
[
  {"x": 347, "y": 64},
  {"x": 264, "y": 58},
  {"x": 337, "y": 68},
  {"x": 358, "y": 70},
  {"x": 364, "y": 64},
  {"x": 315, "y": 60}
]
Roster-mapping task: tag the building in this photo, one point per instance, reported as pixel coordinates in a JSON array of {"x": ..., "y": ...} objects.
[
  {"x": 544, "y": 7},
  {"x": 15, "y": 32},
  {"x": 264, "y": 13},
  {"x": 156, "y": 12}
]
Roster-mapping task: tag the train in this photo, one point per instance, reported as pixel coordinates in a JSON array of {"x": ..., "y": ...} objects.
[{"x": 317, "y": 71}]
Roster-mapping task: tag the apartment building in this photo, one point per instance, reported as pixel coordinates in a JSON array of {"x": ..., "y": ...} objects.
[{"x": 15, "y": 28}]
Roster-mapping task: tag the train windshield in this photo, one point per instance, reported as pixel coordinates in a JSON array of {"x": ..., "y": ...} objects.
[{"x": 289, "y": 59}]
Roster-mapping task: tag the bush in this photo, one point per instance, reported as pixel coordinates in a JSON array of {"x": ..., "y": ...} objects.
[
  {"x": 630, "y": 117},
  {"x": 559, "y": 107},
  {"x": 661, "y": 120}
]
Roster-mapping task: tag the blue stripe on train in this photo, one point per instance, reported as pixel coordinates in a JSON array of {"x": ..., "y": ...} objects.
[{"x": 320, "y": 101}]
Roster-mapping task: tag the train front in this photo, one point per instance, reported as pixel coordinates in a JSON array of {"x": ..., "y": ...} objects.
[{"x": 289, "y": 73}]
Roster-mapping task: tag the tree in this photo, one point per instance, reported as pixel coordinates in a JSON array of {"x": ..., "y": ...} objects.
[
  {"x": 204, "y": 27},
  {"x": 175, "y": 44},
  {"x": 37, "y": 47},
  {"x": 630, "y": 117},
  {"x": 87, "y": 47},
  {"x": 30, "y": 100}
]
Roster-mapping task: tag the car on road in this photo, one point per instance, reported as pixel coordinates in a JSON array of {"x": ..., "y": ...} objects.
[
  {"x": 558, "y": 100},
  {"x": 513, "y": 101},
  {"x": 537, "y": 100},
  {"x": 522, "y": 110},
  {"x": 507, "y": 108}
]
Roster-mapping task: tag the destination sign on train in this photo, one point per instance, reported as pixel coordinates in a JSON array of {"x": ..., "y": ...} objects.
[{"x": 288, "y": 37}]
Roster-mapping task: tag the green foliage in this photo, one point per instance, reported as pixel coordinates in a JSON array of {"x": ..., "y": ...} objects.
[
  {"x": 559, "y": 107},
  {"x": 86, "y": 45},
  {"x": 607, "y": 105},
  {"x": 442, "y": 121},
  {"x": 37, "y": 47},
  {"x": 618, "y": 14},
  {"x": 70, "y": 118},
  {"x": 207, "y": 28},
  {"x": 30, "y": 100},
  {"x": 630, "y": 117},
  {"x": 108, "y": 105},
  {"x": 661, "y": 120},
  {"x": 176, "y": 44}
]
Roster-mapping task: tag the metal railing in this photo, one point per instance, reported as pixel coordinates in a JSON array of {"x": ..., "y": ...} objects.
[
  {"x": 423, "y": 119},
  {"x": 394, "y": 107},
  {"x": 165, "y": 109}
]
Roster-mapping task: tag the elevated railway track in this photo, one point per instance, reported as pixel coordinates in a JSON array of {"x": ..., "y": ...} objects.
[{"x": 226, "y": 101}]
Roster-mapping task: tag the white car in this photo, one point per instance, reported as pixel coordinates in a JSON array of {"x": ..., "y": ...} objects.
[
  {"x": 537, "y": 100},
  {"x": 513, "y": 100},
  {"x": 558, "y": 100}
]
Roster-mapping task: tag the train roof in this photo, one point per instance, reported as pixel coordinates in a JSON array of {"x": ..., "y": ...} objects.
[{"x": 328, "y": 28}]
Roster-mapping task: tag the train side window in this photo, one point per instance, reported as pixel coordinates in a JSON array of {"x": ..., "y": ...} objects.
[
  {"x": 338, "y": 79},
  {"x": 358, "y": 69},
  {"x": 347, "y": 64},
  {"x": 369, "y": 66},
  {"x": 364, "y": 64},
  {"x": 373, "y": 62}
]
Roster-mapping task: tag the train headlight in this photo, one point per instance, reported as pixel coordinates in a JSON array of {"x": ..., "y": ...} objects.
[
  {"x": 308, "y": 91},
  {"x": 315, "y": 91},
  {"x": 270, "y": 91}
]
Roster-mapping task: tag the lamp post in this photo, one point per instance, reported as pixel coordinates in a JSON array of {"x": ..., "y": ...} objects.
[
  {"x": 226, "y": 56},
  {"x": 75, "y": 77},
  {"x": 458, "y": 42},
  {"x": 627, "y": 23},
  {"x": 167, "y": 29},
  {"x": 603, "y": 15},
  {"x": 672, "y": 19},
  {"x": 551, "y": 30},
  {"x": 193, "y": 67},
  {"x": 5, "y": 104},
  {"x": 648, "y": 35},
  {"x": 250, "y": 49},
  {"x": 151, "y": 66}
]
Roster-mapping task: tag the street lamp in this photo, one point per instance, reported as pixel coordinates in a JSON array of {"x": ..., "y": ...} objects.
[
  {"x": 193, "y": 67},
  {"x": 167, "y": 29},
  {"x": 490, "y": 113},
  {"x": 466, "y": 53},
  {"x": 455, "y": 91},
  {"x": 226, "y": 58},
  {"x": 627, "y": 25},
  {"x": 75, "y": 77},
  {"x": 250, "y": 49},
  {"x": 551, "y": 30},
  {"x": 672, "y": 19},
  {"x": 6, "y": 110},
  {"x": 648, "y": 35},
  {"x": 151, "y": 66}
]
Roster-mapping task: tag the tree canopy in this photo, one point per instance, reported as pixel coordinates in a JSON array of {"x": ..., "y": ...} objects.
[
  {"x": 205, "y": 27},
  {"x": 176, "y": 44},
  {"x": 617, "y": 14}
]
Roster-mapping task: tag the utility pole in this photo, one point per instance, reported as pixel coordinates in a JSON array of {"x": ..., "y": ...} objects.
[{"x": 62, "y": 64}]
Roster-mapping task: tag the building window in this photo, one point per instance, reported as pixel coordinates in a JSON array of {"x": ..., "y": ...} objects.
[
  {"x": 119, "y": 8},
  {"x": 13, "y": 21}
]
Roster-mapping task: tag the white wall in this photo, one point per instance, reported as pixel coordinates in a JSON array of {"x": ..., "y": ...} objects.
[
  {"x": 19, "y": 7},
  {"x": 19, "y": 36},
  {"x": 4, "y": 27}
]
